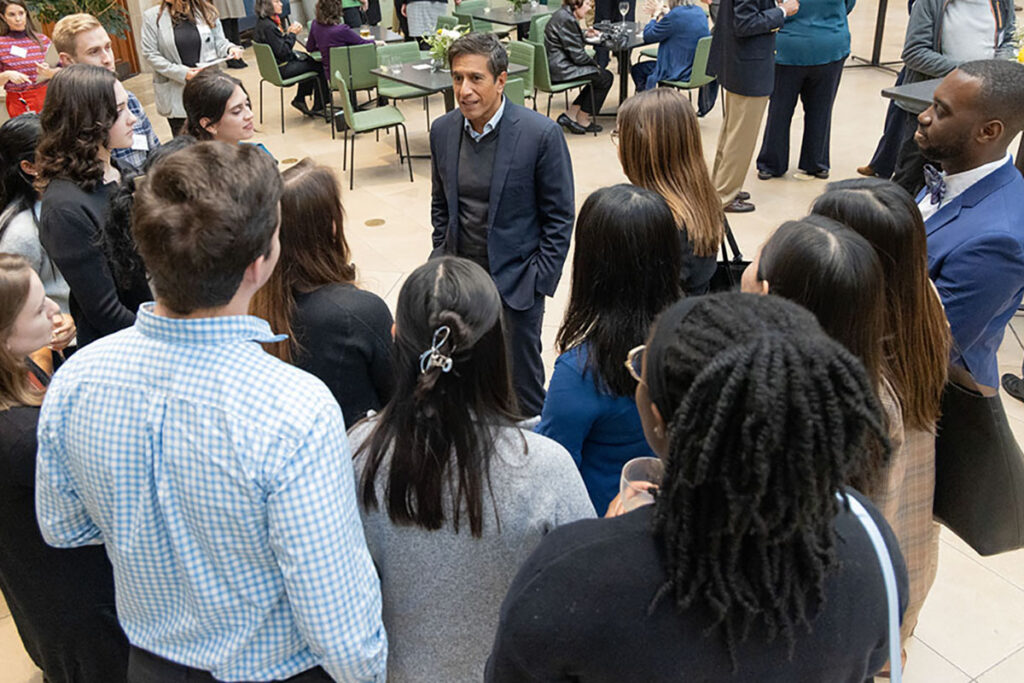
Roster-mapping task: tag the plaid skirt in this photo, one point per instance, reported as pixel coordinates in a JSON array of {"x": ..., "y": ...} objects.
[{"x": 423, "y": 16}]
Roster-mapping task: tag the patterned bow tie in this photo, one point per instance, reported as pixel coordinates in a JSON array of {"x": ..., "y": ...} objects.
[{"x": 935, "y": 183}]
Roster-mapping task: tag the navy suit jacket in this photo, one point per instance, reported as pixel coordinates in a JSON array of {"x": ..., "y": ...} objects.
[
  {"x": 743, "y": 48},
  {"x": 529, "y": 220},
  {"x": 976, "y": 259}
]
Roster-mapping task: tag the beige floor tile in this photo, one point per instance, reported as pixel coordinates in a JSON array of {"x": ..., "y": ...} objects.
[
  {"x": 973, "y": 617},
  {"x": 925, "y": 665},
  {"x": 15, "y": 666},
  {"x": 1010, "y": 670}
]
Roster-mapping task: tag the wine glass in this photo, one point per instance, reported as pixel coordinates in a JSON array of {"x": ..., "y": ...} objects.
[{"x": 623, "y": 10}]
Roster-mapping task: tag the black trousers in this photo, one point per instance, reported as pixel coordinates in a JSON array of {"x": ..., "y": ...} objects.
[
  {"x": 522, "y": 335},
  {"x": 883, "y": 161},
  {"x": 146, "y": 667},
  {"x": 815, "y": 86},
  {"x": 608, "y": 10},
  {"x": 600, "y": 83},
  {"x": 909, "y": 173},
  {"x": 315, "y": 87},
  {"x": 352, "y": 17},
  {"x": 231, "y": 32},
  {"x": 176, "y": 126}
]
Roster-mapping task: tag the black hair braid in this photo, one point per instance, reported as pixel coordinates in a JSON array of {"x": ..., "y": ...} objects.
[{"x": 762, "y": 436}]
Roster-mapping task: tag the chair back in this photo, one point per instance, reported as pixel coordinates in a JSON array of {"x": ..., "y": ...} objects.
[
  {"x": 407, "y": 52},
  {"x": 354, "y": 62},
  {"x": 338, "y": 83},
  {"x": 514, "y": 91},
  {"x": 269, "y": 71},
  {"x": 541, "y": 70},
  {"x": 699, "y": 72},
  {"x": 521, "y": 52},
  {"x": 537, "y": 25},
  {"x": 446, "y": 21},
  {"x": 467, "y": 8}
]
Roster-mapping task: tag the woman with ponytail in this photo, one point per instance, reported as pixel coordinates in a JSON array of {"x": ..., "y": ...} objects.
[
  {"x": 750, "y": 565},
  {"x": 454, "y": 495}
]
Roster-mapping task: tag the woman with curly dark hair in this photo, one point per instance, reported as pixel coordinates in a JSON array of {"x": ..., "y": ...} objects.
[
  {"x": 86, "y": 115},
  {"x": 752, "y": 564}
]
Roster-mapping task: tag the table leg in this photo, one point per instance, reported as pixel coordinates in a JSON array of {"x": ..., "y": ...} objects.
[{"x": 623, "y": 58}]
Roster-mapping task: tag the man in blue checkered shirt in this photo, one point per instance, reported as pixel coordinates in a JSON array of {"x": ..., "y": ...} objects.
[
  {"x": 81, "y": 39},
  {"x": 218, "y": 477}
]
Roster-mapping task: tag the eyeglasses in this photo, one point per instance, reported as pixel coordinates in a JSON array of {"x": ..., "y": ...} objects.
[
  {"x": 635, "y": 362},
  {"x": 615, "y": 137}
]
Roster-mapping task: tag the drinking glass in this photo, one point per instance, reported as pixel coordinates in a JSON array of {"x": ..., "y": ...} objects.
[
  {"x": 623, "y": 10},
  {"x": 640, "y": 477},
  {"x": 385, "y": 63}
]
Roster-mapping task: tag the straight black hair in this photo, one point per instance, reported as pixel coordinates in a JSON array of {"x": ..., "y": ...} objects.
[
  {"x": 438, "y": 427},
  {"x": 626, "y": 265},
  {"x": 205, "y": 97},
  {"x": 18, "y": 140}
]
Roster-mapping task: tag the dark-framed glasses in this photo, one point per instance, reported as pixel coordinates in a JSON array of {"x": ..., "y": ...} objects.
[{"x": 635, "y": 362}]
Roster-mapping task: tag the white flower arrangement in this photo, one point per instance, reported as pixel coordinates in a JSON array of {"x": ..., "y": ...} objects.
[{"x": 442, "y": 39}]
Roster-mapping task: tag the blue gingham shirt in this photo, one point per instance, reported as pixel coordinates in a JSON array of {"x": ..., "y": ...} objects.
[
  {"x": 137, "y": 157},
  {"x": 221, "y": 482}
]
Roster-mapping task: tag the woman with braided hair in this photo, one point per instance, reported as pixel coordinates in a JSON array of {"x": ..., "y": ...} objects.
[
  {"x": 454, "y": 496},
  {"x": 748, "y": 567}
]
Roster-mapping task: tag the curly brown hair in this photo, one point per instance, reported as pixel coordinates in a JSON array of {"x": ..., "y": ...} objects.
[
  {"x": 329, "y": 12},
  {"x": 79, "y": 111}
]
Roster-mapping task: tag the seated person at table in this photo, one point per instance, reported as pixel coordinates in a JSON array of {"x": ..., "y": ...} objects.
[
  {"x": 281, "y": 39},
  {"x": 329, "y": 30},
  {"x": 454, "y": 495},
  {"x": 589, "y": 407},
  {"x": 677, "y": 29},
  {"x": 749, "y": 566},
  {"x": 569, "y": 61}
]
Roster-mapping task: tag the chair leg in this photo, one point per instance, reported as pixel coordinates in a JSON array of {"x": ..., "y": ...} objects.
[
  {"x": 408, "y": 152},
  {"x": 593, "y": 108},
  {"x": 352, "y": 163},
  {"x": 261, "y": 100},
  {"x": 344, "y": 149},
  {"x": 534, "y": 98},
  {"x": 281, "y": 90},
  {"x": 398, "y": 147},
  {"x": 566, "y": 92},
  {"x": 426, "y": 107},
  {"x": 550, "y": 95},
  {"x": 329, "y": 101}
]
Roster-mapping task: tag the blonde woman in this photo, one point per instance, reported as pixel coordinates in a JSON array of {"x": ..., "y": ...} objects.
[{"x": 660, "y": 150}]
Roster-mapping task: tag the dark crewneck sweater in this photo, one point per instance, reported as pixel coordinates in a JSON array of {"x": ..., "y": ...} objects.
[{"x": 476, "y": 168}]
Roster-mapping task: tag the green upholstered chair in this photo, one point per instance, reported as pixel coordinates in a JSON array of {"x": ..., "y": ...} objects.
[
  {"x": 270, "y": 72},
  {"x": 354, "y": 62},
  {"x": 366, "y": 122},
  {"x": 698, "y": 73},
  {"x": 514, "y": 91},
  {"x": 462, "y": 13},
  {"x": 405, "y": 52},
  {"x": 542, "y": 79},
  {"x": 522, "y": 52}
]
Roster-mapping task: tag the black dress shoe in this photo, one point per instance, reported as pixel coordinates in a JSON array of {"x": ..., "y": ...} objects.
[
  {"x": 765, "y": 175},
  {"x": 738, "y": 206},
  {"x": 743, "y": 195},
  {"x": 301, "y": 106},
  {"x": 570, "y": 125},
  {"x": 594, "y": 127},
  {"x": 1014, "y": 386},
  {"x": 804, "y": 175},
  {"x": 236, "y": 64}
]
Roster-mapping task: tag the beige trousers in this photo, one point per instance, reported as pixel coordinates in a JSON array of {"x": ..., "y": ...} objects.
[{"x": 736, "y": 143}]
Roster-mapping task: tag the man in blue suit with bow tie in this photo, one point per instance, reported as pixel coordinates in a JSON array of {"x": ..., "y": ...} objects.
[
  {"x": 502, "y": 196},
  {"x": 974, "y": 210}
]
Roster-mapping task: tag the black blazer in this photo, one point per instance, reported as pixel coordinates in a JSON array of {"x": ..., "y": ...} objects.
[
  {"x": 531, "y": 203},
  {"x": 281, "y": 44},
  {"x": 743, "y": 47},
  {"x": 563, "y": 41}
]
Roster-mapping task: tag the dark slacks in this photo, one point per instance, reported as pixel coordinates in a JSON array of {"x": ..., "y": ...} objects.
[
  {"x": 315, "y": 87},
  {"x": 608, "y": 10},
  {"x": 146, "y": 667},
  {"x": 640, "y": 72},
  {"x": 909, "y": 173},
  {"x": 522, "y": 335},
  {"x": 883, "y": 161},
  {"x": 352, "y": 17},
  {"x": 815, "y": 87},
  {"x": 600, "y": 83},
  {"x": 231, "y": 32}
]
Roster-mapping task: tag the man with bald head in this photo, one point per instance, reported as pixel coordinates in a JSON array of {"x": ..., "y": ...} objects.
[{"x": 972, "y": 210}]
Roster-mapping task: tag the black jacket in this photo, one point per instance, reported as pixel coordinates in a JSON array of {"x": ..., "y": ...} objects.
[
  {"x": 281, "y": 44},
  {"x": 743, "y": 48},
  {"x": 563, "y": 40}
]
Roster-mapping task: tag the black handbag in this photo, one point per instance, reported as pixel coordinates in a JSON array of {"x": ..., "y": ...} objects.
[
  {"x": 730, "y": 270},
  {"x": 979, "y": 473}
]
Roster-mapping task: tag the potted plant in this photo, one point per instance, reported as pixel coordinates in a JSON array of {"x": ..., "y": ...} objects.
[
  {"x": 440, "y": 41},
  {"x": 110, "y": 13}
]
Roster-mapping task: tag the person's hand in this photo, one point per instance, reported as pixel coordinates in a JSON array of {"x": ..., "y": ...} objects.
[
  {"x": 191, "y": 73},
  {"x": 45, "y": 72},
  {"x": 405, "y": 14},
  {"x": 790, "y": 7},
  {"x": 63, "y": 332},
  {"x": 296, "y": 27},
  {"x": 236, "y": 53},
  {"x": 365, "y": 4},
  {"x": 593, "y": 33},
  {"x": 16, "y": 77},
  {"x": 615, "y": 507}
]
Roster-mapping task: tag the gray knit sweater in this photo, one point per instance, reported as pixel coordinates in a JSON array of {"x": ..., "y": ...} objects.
[{"x": 442, "y": 590}]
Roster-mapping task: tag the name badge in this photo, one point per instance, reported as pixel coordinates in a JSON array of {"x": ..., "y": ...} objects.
[
  {"x": 19, "y": 51},
  {"x": 140, "y": 143}
]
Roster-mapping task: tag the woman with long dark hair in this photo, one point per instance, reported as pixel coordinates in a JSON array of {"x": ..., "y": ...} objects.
[
  {"x": 19, "y": 220},
  {"x": 23, "y": 70},
  {"x": 454, "y": 495},
  {"x": 62, "y": 600},
  {"x": 660, "y": 149},
  {"x": 834, "y": 273},
  {"x": 86, "y": 115},
  {"x": 217, "y": 107},
  {"x": 271, "y": 31},
  {"x": 589, "y": 406},
  {"x": 750, "y": 565},
  {"x": 915, "y": 344},
  {"x": 336, "y": 331}
]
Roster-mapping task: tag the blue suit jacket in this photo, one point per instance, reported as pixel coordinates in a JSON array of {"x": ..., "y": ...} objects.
[
  {"x": 678, "y": 32},
  {"x": 743, "y": 48},
  {"x": 531, "y": 203},
  {"x": 976, "y": 259}
]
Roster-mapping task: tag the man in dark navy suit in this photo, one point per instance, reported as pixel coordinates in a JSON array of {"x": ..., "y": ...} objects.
[
  {"x": 743, "y": 58},
  {"x": 503, "y": 196},
  {"x": 972, "y": 211}
]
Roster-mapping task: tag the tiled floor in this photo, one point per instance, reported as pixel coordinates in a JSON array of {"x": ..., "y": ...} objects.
[{"x": 972, "y": 627}]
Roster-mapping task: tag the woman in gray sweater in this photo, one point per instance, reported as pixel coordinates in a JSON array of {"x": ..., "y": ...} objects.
[{"x": 454, "y": 496}]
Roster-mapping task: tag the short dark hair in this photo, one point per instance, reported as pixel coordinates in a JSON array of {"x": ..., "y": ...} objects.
[
  {"x": 1002, "y": 90},
  {"x": 263, "y": 8},
  {"x": 202, "y": 216},
  {"x": 329, "y": 12},
  {"x": 483, "y": 44},
  {"x": 205, "y": 97}
]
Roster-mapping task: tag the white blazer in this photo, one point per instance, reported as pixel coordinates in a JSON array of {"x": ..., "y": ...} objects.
[{"x": 160, "y": 51}]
